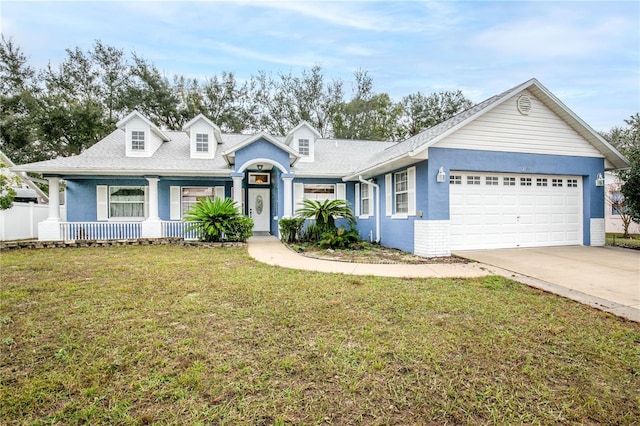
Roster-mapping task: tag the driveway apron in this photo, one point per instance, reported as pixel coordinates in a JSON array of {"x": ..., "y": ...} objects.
[{"x": 604, "y": 277}]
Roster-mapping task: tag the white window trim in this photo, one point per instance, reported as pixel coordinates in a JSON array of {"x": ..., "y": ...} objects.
[
  {"x": 103, "y": 204},
  {"x": 175, "y": 199},
  {"x": 367, "y": 214},
  {"x": 144, "y": 141},
  {"x": 390, "y": 194},
  {"x": 308, "y": 147},
  {"x": 204, "y": 143}
]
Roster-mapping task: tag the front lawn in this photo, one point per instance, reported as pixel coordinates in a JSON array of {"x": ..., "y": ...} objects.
[{"x": 184, "y": 335}]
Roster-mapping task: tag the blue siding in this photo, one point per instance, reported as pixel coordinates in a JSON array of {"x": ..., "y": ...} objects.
[
  {"x": 81, "y": 195},
  {"x": 398, "y": 233},
  {"x": 262, "y": 149}
]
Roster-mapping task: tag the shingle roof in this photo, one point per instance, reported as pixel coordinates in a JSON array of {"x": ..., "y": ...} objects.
[{"x": 332, "y": 157}]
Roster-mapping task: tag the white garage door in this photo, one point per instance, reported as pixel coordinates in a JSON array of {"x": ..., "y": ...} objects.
[{"x": 513, "y": 210}]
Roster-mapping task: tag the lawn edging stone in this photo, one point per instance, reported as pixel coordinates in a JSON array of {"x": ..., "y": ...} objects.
[{"x": 16, "y": 245}]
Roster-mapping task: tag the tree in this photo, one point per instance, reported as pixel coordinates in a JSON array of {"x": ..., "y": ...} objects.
[
  {"x": 420, "y": 112},
  {"x": 631, "y": 187},
  {"x": 282, "y": 103},
  {"x": 114, "y": 74},
  {"x": 618, "y": 202},
  {"x": 149, "y": 92},
  {"x": 367, "y": 116},
  {"x": 627, "y": 140},
  {"x": 7, "y": 193},
  {"x": 18, "y": 105}
]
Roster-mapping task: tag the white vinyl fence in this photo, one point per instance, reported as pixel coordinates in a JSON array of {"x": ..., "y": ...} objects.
[{"x": 20, "y": 222}]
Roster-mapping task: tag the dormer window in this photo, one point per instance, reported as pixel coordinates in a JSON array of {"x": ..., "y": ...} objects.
[
  {"x": 303, "y": 147},
  {"x": 137, "y": 140},
  {"x": 202, "y": 142}
]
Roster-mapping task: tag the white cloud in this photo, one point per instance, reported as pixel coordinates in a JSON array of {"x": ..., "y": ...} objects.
[{"x": 553, "y": 35}]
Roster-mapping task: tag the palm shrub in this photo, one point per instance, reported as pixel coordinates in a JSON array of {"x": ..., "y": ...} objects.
[
  {"x": 218, "y": 219},
  {"x": 325, "y": 213}
]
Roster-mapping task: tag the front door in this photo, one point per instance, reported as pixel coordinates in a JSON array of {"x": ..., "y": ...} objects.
[{"x": 259, "y": 209}]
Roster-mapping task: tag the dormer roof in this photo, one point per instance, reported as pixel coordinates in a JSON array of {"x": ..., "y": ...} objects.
[
  {"x": 229, "y": 155},
  {"x": 200, "y": 117},
  {"x": 135, "y": 114},
  {"x": 302, "y": 124}
]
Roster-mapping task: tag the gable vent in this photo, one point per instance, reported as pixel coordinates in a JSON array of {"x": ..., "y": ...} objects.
[{"x": 524, "y": 104}]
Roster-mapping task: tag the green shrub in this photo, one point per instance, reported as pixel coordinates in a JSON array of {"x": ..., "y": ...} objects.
[
  {"x": 219, "y": 220},
  {"x": 290, "y": 228},
  {"x": 339, "y": 239},
  {"x": 239, "y": 229}
]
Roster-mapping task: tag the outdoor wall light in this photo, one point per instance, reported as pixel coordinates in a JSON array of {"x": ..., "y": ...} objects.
[
  {"x": 260, "y": 166},
  {"x": 441, "y": 175},
  {"x": 599, "y": 180}
]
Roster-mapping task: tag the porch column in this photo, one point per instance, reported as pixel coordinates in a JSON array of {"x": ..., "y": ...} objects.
[
  {"x": 49, "y": 230},
  {"x": 54, "y": 199},
  {"x": 237, "y": 189},
  {"x": 152, "y": 226},
  {"x": 287, "y": 179},
  {"x": 153, "y": 198}
]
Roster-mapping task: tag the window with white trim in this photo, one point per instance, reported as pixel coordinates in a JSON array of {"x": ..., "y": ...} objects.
[
  {"x": 401, "y": 192},
  {"x": 126, "y": 201},
  {"x": 541, "y": 182},
  {"x": 455, "y": 180},
  {"x": 509, "y": 181},
  {"x": 189, "y": 197},
  {"x": 319, "y": 191},
  {"x": 572, "y": 183},
  {"x": 525, "y": 181},
  {"x": 365, "y": 205},
  {"x": 137, "y": 140},
  {"x": 303, "y": 147},
  {"x": 556, "y": 183},
  {"x": 202, "y": 142}
]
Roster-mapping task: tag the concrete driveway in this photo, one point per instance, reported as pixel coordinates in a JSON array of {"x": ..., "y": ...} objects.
[{"x": 604, "y": 277}]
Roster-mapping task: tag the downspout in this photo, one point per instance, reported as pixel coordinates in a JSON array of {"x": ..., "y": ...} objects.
[{"x": 377, "y": 187}]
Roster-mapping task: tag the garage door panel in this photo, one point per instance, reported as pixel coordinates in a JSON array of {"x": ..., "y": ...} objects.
[{"x": 523, "y": 215}]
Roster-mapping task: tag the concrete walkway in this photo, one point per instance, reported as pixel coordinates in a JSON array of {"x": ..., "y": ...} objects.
[
  {"x": 602, "y": 277},
  {"x": 271, "y": 251}
]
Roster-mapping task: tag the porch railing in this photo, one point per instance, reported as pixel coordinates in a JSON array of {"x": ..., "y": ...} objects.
[
  {"x": 180, "y": 229},
  {"x": 100, "y": 230},
  {"x": 124, "y": 230}
]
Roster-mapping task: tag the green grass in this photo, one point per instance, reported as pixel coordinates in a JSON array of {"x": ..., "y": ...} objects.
[
  {"x": 617, "y": 240},
  {"x": 183, "y": 335}
]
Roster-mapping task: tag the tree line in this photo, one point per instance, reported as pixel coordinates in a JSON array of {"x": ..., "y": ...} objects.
[{"x": 62, "y": 110}]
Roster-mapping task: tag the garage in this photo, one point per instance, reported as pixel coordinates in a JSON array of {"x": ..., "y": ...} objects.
[{"x": 514, "y": 210}]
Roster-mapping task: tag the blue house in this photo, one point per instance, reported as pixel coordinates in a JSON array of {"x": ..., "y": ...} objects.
[{"x": 517, "y": 170}]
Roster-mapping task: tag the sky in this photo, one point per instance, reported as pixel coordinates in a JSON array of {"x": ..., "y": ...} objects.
[{"x": 587, "y": 53}]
